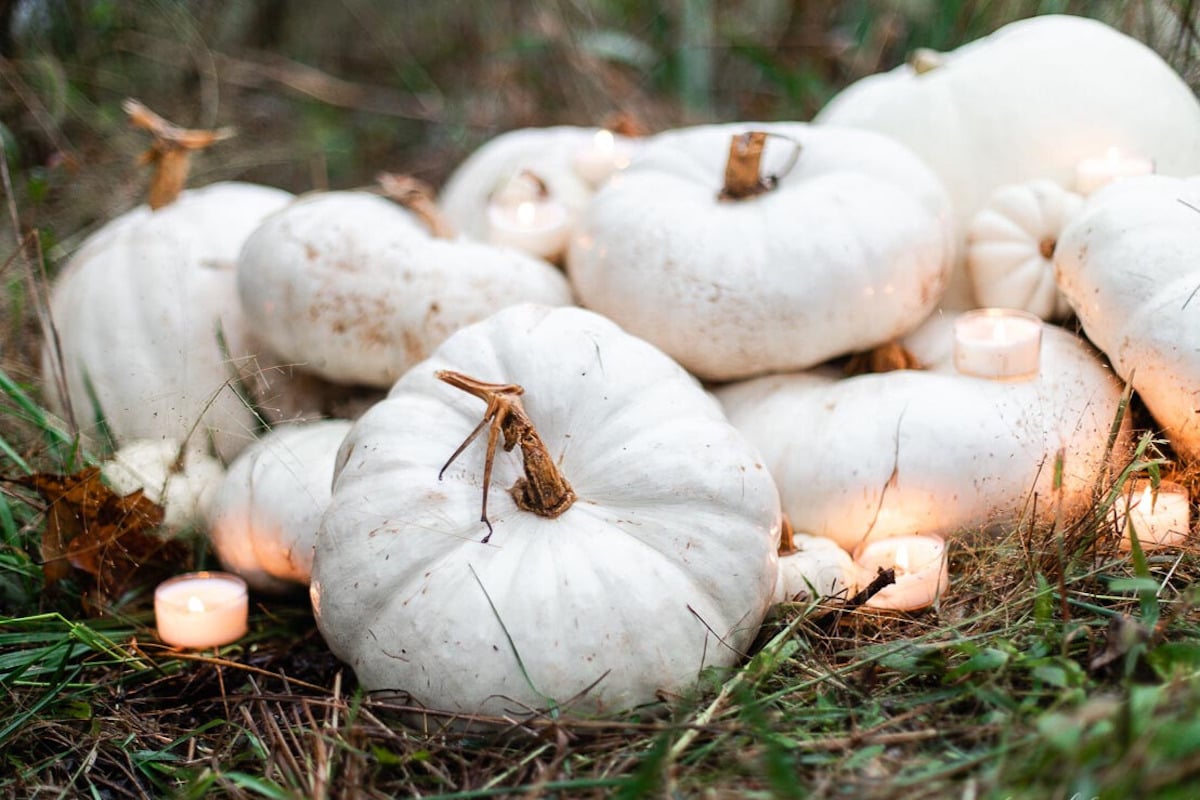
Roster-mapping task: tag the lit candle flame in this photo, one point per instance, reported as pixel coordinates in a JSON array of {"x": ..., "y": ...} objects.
[
  {"x": 604, "y": 141},
  {"x": 195, "y": 605},
  {"x": 526, "y": 213}
]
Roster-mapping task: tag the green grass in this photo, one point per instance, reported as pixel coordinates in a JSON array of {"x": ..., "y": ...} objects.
[{"x": 1054, "y": 668}]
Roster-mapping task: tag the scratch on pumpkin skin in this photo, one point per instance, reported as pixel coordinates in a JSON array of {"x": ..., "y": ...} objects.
[{"x": 893, "y": 477}]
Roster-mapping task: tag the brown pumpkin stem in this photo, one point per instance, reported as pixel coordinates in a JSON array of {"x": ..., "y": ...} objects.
[
  {"x": 625, "y": 123},
  {"x": 1046, "y": 247},
  {"x": 417, "y": 196},
  {"x": 787, "y": 537},
  {"x": 887, "y": 357},
  {"x": 543, "y": 490},
  {"x": 743, "y": 169},
  {"x": 925, "y": 59},
  {"x": 171, "y": 151}
]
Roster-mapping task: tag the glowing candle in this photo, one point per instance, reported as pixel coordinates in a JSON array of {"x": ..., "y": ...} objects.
[
  {"x": 600, "y": 159},
  {"x": 1160, "y": 519},
  {"x": 522, "y": 214},
  {"x": 201, "y": 609},
  {"x": 1093, "y": 173},
  {"x": 922, "y": 574},
  {"x": 998, "y": 343}
]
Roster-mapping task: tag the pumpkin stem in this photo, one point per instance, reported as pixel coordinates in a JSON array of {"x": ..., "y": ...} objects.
[
  {"x": 743, "y": 169},
  {"x": 171, "y": 151},
  {"x": 925, "y": 59},
  {"x": 887, "y": 357},
  {"x": 417, "y": 196},
  {"x": 787, "y": 537},
  {"x": 543, "y": 490},
  {"x": 1046, "y": 247},
  {"x": 625, "y": 123}
]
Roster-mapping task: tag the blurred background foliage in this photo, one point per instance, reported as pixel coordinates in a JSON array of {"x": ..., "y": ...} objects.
[{"x": 325, "y": 93}]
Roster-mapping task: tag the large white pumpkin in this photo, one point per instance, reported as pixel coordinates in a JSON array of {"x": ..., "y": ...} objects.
[
  {"x": 663, "y": 565},
  {"x": 850, "y": 249},
  {"x": 1129, "y": 266},
  {"x": 933, "y": 451},
  {"x": 148, "y": 338},
  {"x": 1029, "y": 101},
  {"x": 355, "y": 288}
]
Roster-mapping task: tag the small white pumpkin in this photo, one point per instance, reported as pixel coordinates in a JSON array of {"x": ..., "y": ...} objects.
[
  {"x": 355, "y": 289},
  {"x": 636, "y": 547},
  {"x": 1128, "y": 265},
  {"x": 1029, "y": 101},
  {"x": 263, "y": 519},
  {"x": 736, "y": 287},
  {"x": 181, "y": 480},
  {"x": 564, "y": 158},
  {"x": 933, "y": 451},
  {"x": 1011, "y": 243},
  {"x": 814, "y": 567}
]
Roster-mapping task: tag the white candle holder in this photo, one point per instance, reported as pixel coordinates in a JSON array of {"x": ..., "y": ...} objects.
[
  {"x": 922, "y": 571},
  {"x": 198, "y": 610},
  {"x": 1159, "y": 518},
  {"x": 1092, "y": 174},
  {"x": 522, "y": 214},
  {"x": 603, "y": 156},
  {"x": 1003, "y": 344}
]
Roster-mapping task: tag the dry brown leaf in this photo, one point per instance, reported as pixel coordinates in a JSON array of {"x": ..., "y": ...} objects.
[{"x": 106, "y": 536}]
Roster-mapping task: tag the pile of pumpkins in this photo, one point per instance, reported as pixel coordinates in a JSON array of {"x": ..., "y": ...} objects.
[{"x": 563, "y": 488}]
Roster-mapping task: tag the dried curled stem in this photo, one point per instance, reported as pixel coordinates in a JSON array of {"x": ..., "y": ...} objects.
[
  {"x": 543, "y": 490},
  {"x": 170, "y": 152},
  {"x": 417, "y": 196}
]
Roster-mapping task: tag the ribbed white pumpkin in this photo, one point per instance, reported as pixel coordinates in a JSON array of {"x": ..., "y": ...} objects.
[
  {"x": 1011, "y": 243},
  {"x": 548, "y": 153},
  {"x": 139, "y": 313},
  {"x": 664, "y": 564},
  {"x": 933, "y": 451},
  {"x": 1029, "y": 101},
  {"x": 850, "y": 250},
  {"x": 1129, "y": 266},
  {"x": 263, "y": 518},
  {"x": 356, "y": 289}
]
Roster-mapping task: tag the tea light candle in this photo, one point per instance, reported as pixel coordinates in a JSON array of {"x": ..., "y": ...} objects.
[
  {"x": 201, "y": 609},
  {"x": 1093, "y": 173},
  {"x": 922, "y": 573},
  {"x": 998, "y": 343},
  {"x": 1160, "y": 519},
  {"x": 600, "y": 159},
  {"x": 539, "y": 227}
]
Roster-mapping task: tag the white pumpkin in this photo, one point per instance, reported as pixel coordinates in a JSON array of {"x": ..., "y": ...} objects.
[
  {"x": 263, "y": 519},
  {"x": 354, "y": 288},
  {"x": 181, "y": 480},
  {"x": 933, "y": 451},
  {"x": 567, "y": 159},
  {"x": 664, "y": 563},
  {"x": 1011, "y": 243},
  {"x": 1029, "y": 101},
  {"x": 148, "y": 338},
  {"x": 848, "y": 250},
  {"x": 1128, "y": 265}
]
